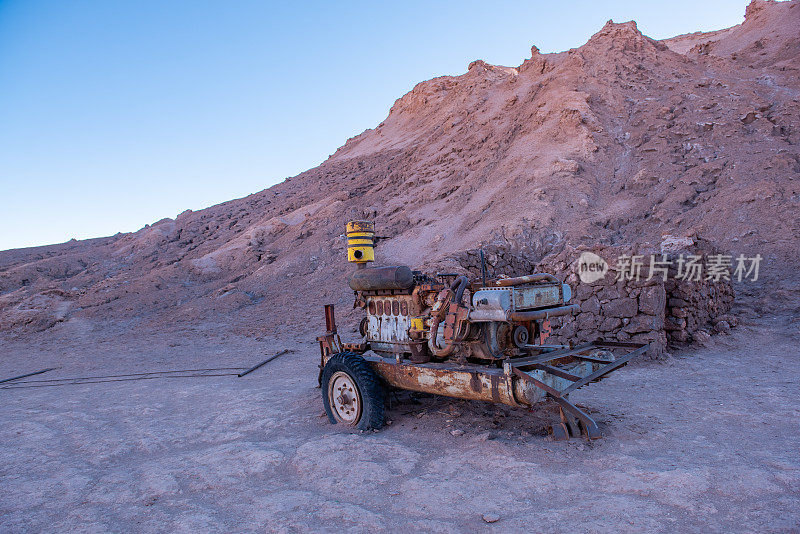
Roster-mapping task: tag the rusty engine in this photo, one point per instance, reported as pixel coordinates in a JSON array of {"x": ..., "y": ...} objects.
[
  {"x": 441, "y": 317},
  {"x": 484, "y": 340}
]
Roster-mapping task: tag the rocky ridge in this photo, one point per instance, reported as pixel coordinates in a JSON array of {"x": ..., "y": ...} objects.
[{"x": 615, "y": 143}]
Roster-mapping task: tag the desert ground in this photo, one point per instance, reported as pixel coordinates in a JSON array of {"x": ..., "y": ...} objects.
[{"x": 704, "y": 440}]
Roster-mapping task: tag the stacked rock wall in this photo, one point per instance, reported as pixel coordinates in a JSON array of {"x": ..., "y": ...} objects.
[
  {"x": 619, "y": 306},
  {"x": 498, "y": 259},
  {"x": 695, "y": 309},
  {"x": 613, "y": 307}
]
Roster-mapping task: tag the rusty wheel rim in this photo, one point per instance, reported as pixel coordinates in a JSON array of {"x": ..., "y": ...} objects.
[{"x": 344, "y": 398}]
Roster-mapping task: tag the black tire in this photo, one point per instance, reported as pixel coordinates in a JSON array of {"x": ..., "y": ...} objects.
[{"x": 368, "y": 387}]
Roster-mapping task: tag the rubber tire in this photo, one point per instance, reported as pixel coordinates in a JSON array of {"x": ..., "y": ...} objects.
[{"x": 368, "y": 384}]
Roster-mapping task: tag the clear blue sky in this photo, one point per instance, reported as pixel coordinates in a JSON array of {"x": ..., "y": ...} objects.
[{"x": 117, "y": 114}]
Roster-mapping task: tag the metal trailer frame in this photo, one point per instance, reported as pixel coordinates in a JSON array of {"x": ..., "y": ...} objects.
[{"x": 546, "y": 372}]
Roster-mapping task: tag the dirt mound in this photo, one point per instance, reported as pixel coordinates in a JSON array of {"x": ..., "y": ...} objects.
[{"x": 617, "y": 142}]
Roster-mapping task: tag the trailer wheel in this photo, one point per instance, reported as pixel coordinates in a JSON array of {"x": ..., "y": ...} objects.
[{"x": 352, "y": 393}]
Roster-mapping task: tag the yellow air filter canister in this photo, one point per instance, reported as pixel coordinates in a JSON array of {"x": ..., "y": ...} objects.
[{"x": 360, "y": 241}]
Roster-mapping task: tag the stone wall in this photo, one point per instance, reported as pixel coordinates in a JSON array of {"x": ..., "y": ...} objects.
[
  {"x": 697, "y": 309},
  {"x": 499, "y": 260},
  {"x": 663, "y": 313},
  {"x": 611, "y": 308}
]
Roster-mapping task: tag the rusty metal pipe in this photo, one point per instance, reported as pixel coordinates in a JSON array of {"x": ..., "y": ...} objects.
[
  {"x": 529, "y": 279},
  {"x": 454, "y": 293},
  {"x": 465, "y": 382},
  {"x": 437, "y": 314},
  {"x": 458, "y": 287},
  {"x": 535, "y": 315},
  {"x": 472, "y": 382},
  {"x": 490, "y": 339}
]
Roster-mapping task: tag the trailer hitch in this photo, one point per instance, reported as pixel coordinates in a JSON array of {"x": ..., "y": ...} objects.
[{"x": 586, "y": 352}]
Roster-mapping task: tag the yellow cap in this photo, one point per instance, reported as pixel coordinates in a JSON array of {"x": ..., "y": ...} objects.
[{"x": 360, "y": 241}]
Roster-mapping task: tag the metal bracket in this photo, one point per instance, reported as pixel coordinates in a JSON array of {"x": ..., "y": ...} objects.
[
  {"x": 329, "y": 343},
  {"x": 592, "y": 432}
]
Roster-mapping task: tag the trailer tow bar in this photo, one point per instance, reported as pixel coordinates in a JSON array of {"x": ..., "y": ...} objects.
[{"x": 569, "y": 412}]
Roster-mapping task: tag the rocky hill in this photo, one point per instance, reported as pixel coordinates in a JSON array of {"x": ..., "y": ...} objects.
[{"x": 620, "y": 141}]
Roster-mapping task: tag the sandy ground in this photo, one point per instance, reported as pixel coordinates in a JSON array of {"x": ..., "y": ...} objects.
[{"x": 705, "y": 441}]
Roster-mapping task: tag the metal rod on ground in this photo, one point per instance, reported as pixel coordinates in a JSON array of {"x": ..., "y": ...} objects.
[
  {"x": 78, "y": 382},
  {"x": 27, "y": 375},
  {"x": 281, "y": 353},
  {"x": 140, "y": 374}
]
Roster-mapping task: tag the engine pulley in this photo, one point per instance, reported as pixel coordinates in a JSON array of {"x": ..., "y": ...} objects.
[{"x": 520, "y": 335}]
